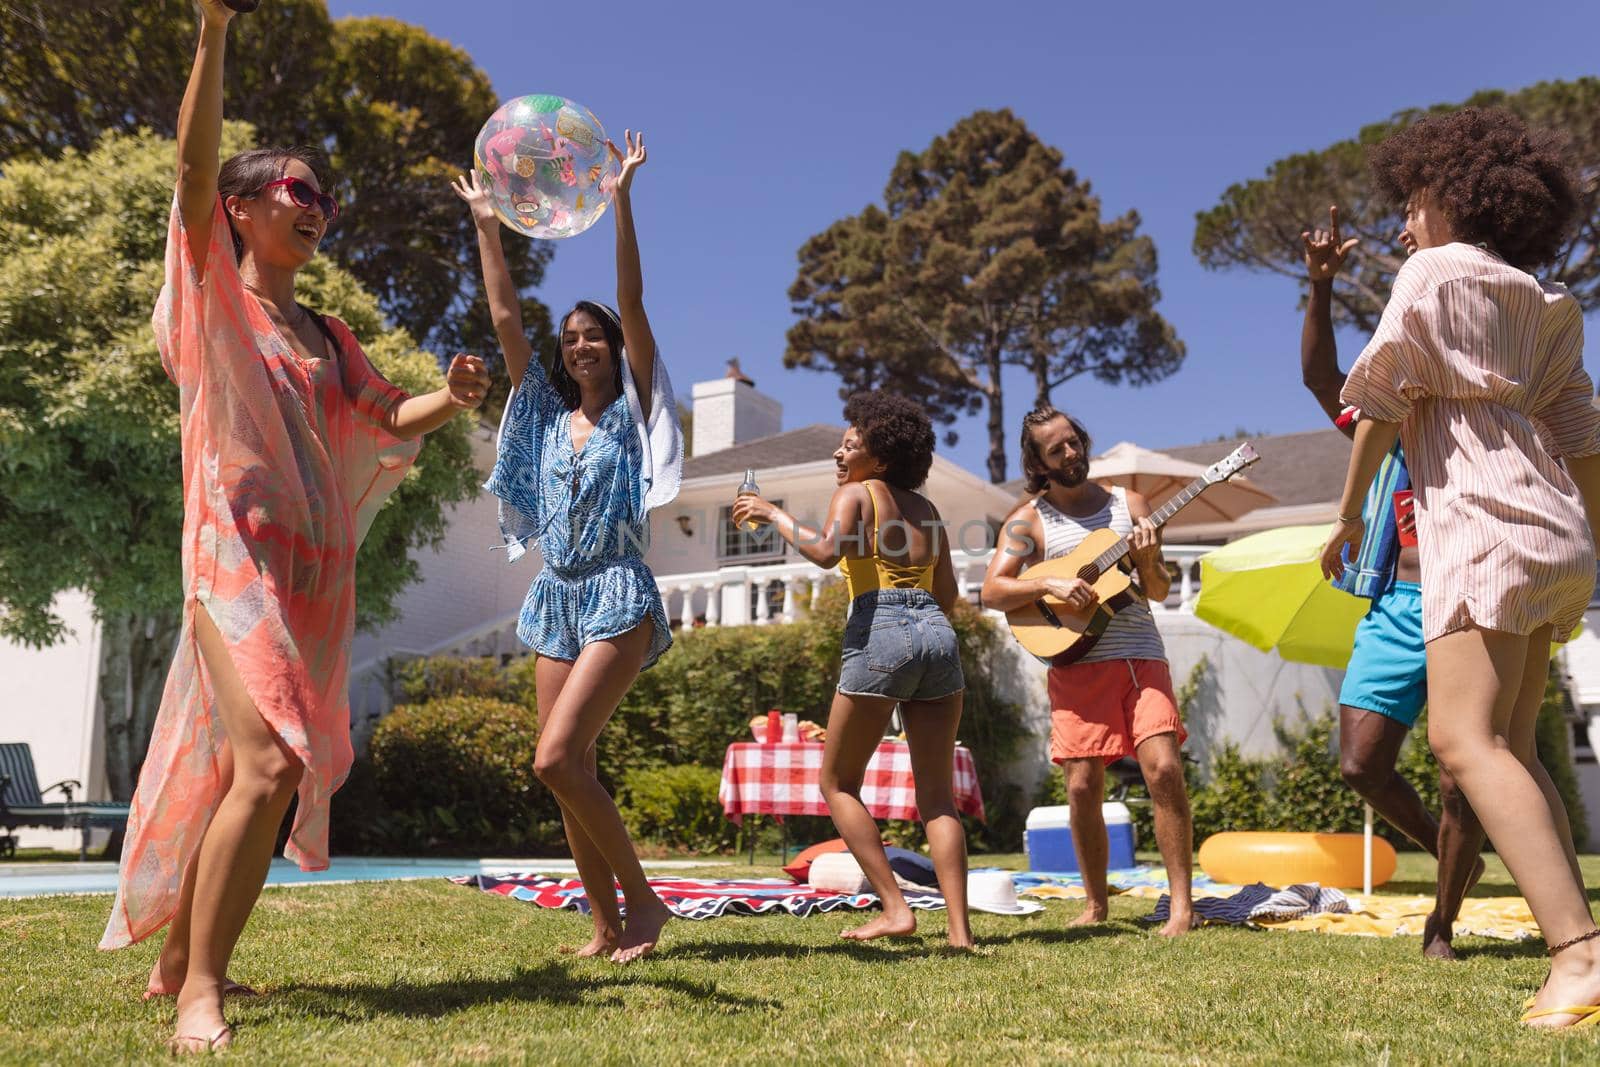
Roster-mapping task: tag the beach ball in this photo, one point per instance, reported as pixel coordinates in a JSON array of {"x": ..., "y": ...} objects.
[{"x": 545, "y": 162}]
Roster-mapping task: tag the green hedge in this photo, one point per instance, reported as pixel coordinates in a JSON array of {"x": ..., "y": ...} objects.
[
  {"x": 456, "y": 775},
  {"x": 676, "y": 808},
  {"x": 420, "y": 680},
  {"x": 682, "y": 713}
]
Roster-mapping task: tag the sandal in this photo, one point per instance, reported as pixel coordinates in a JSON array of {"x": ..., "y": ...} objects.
[
  {"x": 178, "y": 1044},
  {"x": 1588, "y": 1015}
]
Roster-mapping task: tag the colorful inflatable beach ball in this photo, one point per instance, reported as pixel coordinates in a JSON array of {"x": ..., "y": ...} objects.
[{"x": 545, "y": 162}]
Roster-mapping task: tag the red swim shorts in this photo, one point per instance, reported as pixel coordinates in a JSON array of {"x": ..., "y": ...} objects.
[{"x": 1108, "y": 708}]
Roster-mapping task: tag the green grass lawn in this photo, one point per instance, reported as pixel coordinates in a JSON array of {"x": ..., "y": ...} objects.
[{"x": 428, "y": 972}]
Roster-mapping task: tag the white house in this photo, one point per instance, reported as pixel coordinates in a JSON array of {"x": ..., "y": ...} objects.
[{"x": 468, "y": 596}]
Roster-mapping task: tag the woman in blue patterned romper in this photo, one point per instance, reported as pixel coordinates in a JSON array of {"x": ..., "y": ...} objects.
[{"x": 583, "y": 456}]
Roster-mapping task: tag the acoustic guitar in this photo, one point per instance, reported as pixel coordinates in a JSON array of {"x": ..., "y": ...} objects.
[{"x": 1059, "y": 635}]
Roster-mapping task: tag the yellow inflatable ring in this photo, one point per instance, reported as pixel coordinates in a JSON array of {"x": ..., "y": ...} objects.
[{"x": 1280, "y": 859}]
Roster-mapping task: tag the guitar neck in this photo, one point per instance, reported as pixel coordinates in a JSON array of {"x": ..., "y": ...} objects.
[
  {"x": 1111, "y": 556},
  {"x": 1179, "y": 502}
]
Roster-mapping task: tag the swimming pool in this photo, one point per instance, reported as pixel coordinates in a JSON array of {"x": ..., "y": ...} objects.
[{"x": 53, "y": 879}]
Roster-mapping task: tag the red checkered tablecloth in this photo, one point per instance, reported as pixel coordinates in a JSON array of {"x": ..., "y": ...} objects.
[{"x": 781, "y": 779}]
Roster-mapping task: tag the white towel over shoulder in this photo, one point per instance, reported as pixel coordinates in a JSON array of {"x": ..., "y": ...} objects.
[{"x": 661, "y": 436}]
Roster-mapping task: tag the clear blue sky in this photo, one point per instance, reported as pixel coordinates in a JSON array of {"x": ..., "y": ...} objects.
[{"x": 768, "y": 122}]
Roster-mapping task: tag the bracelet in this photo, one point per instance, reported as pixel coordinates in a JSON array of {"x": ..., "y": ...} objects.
[
  {"x": 1348, "y": 519},
  {"x": 1569, "y": 942}
]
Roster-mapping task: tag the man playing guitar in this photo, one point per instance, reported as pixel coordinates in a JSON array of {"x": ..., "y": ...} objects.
[{"x": 1116, "y": 700}]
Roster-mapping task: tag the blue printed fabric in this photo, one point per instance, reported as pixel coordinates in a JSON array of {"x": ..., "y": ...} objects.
[
  {"x": 1371, "y": 573},
  {"x": 1121, "y": 881},
  {"x": 586, "y": 511}
]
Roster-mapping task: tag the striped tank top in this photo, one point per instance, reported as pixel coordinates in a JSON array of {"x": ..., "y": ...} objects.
[{"x": 1132, "y": 632}]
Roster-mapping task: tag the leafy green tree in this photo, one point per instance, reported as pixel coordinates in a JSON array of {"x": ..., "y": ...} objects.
[
  {"x": 90, "y": 490},
  {"x": 989, "y": 251},
  {"x": 1257, "y": 224},
  {"x": 397, "y": 110}
]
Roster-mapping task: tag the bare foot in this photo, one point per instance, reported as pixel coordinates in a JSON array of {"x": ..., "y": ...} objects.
[
  {"x": 200, "y": 1027},
  {"x": 898, "y": 925},
  {"x": 962, "y": 944},
  {"x": 161, "y": 983},
  {"x": 641, "y": 931},
  {"x": 1436, "y": 935},
  {"x": 603, "y": 945},
  {"x": 1178, "y": 925},
  {"x": 1091, "y": 914}
]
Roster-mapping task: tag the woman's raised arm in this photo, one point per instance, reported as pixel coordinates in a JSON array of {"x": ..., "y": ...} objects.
[
  {"x": 200, "y": 130},
  {"x": 505, "y": 306},
  {"x": 636, "y": 334}
]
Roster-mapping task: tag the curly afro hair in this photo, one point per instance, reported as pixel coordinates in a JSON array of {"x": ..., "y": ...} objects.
[
  {"x": 896, "y": 431},
  {"x": 1496, "y": 180}
]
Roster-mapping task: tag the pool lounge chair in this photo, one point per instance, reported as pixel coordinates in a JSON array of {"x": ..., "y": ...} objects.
[{"x": 22, "y": 803}]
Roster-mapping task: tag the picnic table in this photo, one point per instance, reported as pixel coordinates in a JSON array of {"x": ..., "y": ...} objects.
[{"x": 781, "y": 779}]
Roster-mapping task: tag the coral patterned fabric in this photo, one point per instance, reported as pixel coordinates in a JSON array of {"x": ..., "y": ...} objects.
[
  {"x": 285, "y": 464},
  {"x": 1482, "y": 366}
]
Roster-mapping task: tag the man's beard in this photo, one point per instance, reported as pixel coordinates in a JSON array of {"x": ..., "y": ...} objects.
[{"x": 1070, "y": 478}]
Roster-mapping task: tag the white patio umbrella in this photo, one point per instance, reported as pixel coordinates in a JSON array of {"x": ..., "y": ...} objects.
[{"x": 1159, "y": 477}]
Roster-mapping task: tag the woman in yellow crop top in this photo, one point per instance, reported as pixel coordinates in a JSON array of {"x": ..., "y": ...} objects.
[{"x": 899, "y": 647}]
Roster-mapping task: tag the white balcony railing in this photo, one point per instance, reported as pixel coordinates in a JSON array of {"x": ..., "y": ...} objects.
[{"x": 763, "y": 594}]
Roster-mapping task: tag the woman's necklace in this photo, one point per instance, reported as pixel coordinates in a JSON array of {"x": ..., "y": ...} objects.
[
  {"x": 267, "y": 302},
  {"x": 284, "y": 324}
]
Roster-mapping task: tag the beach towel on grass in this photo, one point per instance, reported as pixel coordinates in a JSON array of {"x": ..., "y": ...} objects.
[
  {"x": 695, "y": 898},
  {"x": 1314, "y": 909},
  {"x": 1500, "y": 918},
  {"x": 1259, "y": 904},
  {"x": 1143, "y": 880}
]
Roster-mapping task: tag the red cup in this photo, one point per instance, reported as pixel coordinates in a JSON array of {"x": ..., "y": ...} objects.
[
  {"x": 774, "y": 726},
  {"x": 1404, "y": 508}
]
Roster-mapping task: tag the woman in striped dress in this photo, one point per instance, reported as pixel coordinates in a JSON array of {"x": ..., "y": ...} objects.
[{"x": 1478, "y": 367}]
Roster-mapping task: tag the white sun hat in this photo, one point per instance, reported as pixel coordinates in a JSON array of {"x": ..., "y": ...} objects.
[{"x": 994, "y": 891}]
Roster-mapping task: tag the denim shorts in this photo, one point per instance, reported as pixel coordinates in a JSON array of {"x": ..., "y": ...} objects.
[{"x": 899, "y": 645}]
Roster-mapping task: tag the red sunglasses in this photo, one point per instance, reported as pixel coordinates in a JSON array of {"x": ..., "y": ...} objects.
[{"x": 304, "y": 195}]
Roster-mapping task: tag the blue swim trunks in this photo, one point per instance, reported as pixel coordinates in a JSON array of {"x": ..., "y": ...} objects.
[{"x": 1388, "y": 670}]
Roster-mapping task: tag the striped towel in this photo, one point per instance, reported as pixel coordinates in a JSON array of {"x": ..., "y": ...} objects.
[
  {"x": 1259, "y": 903},
  {"x": 695, "y": 898},
  {"x": 1299, "y": 901},
  {"x": 1371, "y": 573}
]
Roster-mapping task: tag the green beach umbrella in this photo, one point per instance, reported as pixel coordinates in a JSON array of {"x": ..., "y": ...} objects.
[{"x": 1267, "y": 590}]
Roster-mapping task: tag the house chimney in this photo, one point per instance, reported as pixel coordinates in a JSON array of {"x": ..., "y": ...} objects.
[
  {"x": 729, "y": 411},
  {"x": 736, "y": 374}
]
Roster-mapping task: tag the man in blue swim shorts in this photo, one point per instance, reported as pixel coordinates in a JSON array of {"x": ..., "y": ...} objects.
[{"x": 1386, "y": 683}]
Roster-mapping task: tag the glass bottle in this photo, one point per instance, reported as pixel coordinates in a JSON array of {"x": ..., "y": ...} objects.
[{"x": 749, "y": 486}]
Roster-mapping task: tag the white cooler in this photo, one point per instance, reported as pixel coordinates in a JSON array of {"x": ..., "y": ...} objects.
[{"x": 1048, "y": 838}]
